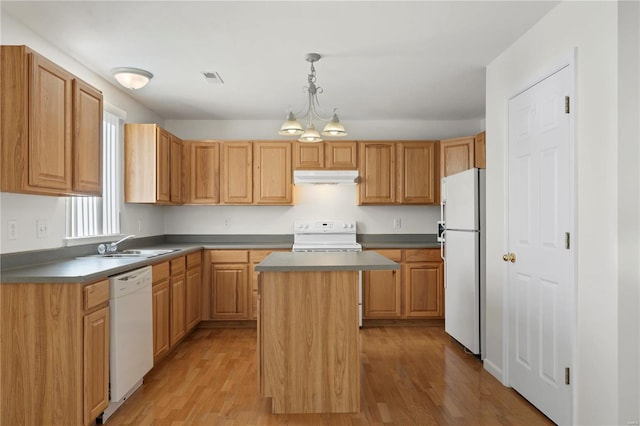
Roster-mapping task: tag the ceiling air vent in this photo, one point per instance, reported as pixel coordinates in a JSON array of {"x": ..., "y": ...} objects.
[{"x": 212, "y": 77}]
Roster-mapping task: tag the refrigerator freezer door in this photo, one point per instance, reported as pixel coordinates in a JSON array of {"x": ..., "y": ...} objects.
[
  {"x": 461, "y": 200},
  {"x": 462, "y": 288}
]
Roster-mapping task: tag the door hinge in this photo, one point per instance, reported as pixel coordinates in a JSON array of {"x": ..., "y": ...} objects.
[
  {"x": 567, "y": 102},
  {"x": 567, "y": 240},
  {"x": 567, "y": 376}
]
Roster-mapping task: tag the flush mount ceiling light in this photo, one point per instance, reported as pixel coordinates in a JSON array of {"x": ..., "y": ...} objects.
[
  {"x": 292, "y": 127},
  {"x": 132, "y": 78}
]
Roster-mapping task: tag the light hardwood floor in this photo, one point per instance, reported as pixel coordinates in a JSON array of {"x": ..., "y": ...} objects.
[{"x": 410, "y": 376}]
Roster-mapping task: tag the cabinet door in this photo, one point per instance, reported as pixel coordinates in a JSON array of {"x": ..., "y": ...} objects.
[
  {"x": 194, "y": 282},
  {"x": 175, "y": 169},
  {"x": 163, "y": 175},
  {"x": 309, "y": 156},
  {"x": 272, "y": 173},
  {"x": 161, "y": 309},
  {"x": 456, "y": 155},
  {"x": 424, "y": 287},
  {"x": 237, "y": 173},
  {"x": 382, "y": 296},
  {"x": 418, "y": 174},
  {"x": 229, "y": 291},
  {"x": 87, "y": 139},
  {"x": 49, "y": 150},
  {"x": 341, "y": 155},
  {"x": 202, "y": 172},
  {"x": 481, "y": 150},
  {"x": 377, "y": 173},
  {"x": 178, "y": 329},
  {"x": 96, "y": 363}
]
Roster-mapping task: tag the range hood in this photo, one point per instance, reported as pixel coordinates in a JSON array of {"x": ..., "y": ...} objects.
[{"x": 301, "y": 177}]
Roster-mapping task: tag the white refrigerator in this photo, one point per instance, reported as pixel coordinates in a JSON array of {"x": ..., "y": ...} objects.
[{"x": 463, "y": 245}]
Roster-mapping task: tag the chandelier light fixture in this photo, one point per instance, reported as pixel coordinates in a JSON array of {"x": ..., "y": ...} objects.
[
  {"x": 292, "y": 126},
  {"x": 132, "y": 78}
]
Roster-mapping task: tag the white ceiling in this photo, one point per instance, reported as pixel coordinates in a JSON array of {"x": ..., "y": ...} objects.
[{"x": 389, "y": 60}]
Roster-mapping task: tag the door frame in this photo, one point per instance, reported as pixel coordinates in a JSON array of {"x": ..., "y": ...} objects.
[{"x": 569, "y": 59}]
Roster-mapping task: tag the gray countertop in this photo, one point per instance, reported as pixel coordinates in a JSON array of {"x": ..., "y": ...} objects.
[
  {"x": 325, "y": 261},
  {"x": 50, "y": 267}
]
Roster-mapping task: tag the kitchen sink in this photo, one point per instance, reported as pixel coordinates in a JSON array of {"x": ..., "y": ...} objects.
[{"x": 133, "y": 253}]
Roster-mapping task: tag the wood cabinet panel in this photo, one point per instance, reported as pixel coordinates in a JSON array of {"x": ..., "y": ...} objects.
[
  {"x": 309, "y": 156},
  {"x": 456, "y": 155},
  {"x": 229, "y": 256},
  {"x": 87, "y": 139},
  {"x": 201, "y": 160},
  {"x": 382, "y": 294},
  {"x": 272, "y": 173},
  {"x": 161, "y": 313},
  {"x": 418, "y": 172},
  {"x": 229, "y": 291},
  {"x": 424, "y": 290},
  {"x": 237, "y": 173},
  {"x": 178, "y": 300},
  {"x": 96, "y": 294},
  {"x": 175, "y": 169},
  {"x": 193, "y": 285},
  {"x": 96, "y": 363},
  {"x": 377, "y": 173},
  {"x": 163, "y": 156},
  {"x": 480, "y": 148},
  {"x": 50, "y": 142},
  {"x": 341, "y": 155}
]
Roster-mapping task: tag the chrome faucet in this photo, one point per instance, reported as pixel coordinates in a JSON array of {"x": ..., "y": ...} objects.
[{"x": 112, "y": 247}]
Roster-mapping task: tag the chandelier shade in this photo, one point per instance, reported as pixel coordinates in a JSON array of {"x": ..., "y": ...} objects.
[{"x": 292, "y": 127}]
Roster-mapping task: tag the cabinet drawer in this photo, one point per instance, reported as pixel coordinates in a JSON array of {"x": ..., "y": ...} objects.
[
  {"x": 422, "y": 255},
  {"x": 177, "y": 265},
  {"x": 193, "y": 259},
  {"x": 395, "y": 255},
  {"x": 160, "y": 271},
  {"x": 96, "y": 294},
  {"x": 229, "y": 256}
]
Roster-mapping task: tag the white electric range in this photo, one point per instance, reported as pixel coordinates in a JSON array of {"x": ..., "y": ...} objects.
[{"x": 328, "y": 236}]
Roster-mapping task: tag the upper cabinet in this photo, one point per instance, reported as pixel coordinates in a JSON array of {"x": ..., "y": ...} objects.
[
  {"x": 236, "y": 173},
  {"x": 272, "y": 173},
  {"x": 460, "y": 154},
  {"x": 326, "y": 155},
  {"x": 201, "y": 166},
  {"x": 152, "y": 167},
  {"x": 51, "y": 125},
  {"x": 398, "y": 172}
]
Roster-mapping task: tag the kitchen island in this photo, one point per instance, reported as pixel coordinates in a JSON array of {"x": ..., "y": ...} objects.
[{"x": 308, "y": 344}]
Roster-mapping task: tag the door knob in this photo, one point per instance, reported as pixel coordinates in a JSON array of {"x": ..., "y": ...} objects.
[{"x": 509, "y": 257}]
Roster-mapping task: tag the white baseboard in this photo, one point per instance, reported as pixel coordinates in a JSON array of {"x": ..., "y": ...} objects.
[{"x": 494, "y": 370}]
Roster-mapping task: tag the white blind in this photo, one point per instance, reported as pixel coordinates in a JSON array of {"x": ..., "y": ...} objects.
[{"x": 93, "y": 216}]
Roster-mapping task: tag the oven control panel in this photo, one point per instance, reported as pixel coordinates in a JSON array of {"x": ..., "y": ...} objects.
[{"x": 325, "y": 227}]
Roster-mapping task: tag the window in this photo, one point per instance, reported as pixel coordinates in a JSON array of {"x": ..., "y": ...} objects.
[{"x": 95, "y": 216}]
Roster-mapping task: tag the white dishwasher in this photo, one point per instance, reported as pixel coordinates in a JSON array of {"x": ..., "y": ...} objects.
[{"x": 131, "y": 354}]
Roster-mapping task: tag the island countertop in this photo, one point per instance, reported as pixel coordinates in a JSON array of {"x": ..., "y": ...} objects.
[{"x": 325, "y": 261}]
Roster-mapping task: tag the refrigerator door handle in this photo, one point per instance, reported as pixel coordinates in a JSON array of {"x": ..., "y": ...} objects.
[{"x": 442, "y": 245}]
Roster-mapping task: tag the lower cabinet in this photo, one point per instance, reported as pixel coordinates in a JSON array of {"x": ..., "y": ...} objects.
[
  {"x": 55, "y": 352},
  {"x": 415, "y": 292},
  {"x": 176, "y": 301},
  {"x": 178, "y": 293},
  {"x": 233, "y": 283},
  {"x": 161, "y": 310}
]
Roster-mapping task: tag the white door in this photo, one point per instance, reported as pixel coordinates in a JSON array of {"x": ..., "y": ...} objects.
[
  {"x": 462, "y": 288},
  {"x": 540, "y": 285}
]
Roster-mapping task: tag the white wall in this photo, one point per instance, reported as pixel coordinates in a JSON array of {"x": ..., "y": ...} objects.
[
  {"x": 26, "y": 209},
  {"x": 322, "y": 202},
  {"x": 592, "y": 28},
  {"x": 629, "y": 211}
]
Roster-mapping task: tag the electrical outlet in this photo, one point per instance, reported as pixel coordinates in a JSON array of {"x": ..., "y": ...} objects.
[
  {"x": 397, "y": 223},
  {"x": 227, "y": 223},
  {"x": 42, "y": 229},
  {"x": 12, "y": 230}
]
